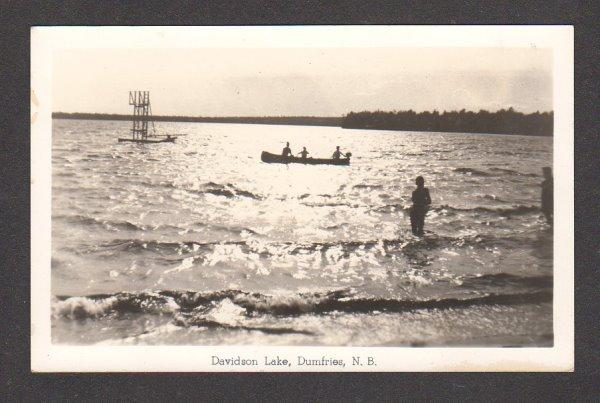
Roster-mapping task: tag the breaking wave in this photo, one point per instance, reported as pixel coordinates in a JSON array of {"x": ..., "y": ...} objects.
[
  {"x": 446, "y": 209},
  {"x": 268, "y": 249},
  {"x": 229, "y": 191},
  {"x": 123, "y": 225},
  {"x": 106, "y": 224},
  {"x": 494, "y": 172},
  {"x": 197, "y": 307},
  {"x": 332, "y": 204},
  {"x": 512, "y": 172},
  {"x": 493, "y": 198},
  {"x": 506, "y": 279},
  {"x": 367, "y": 186},
  {"x": 503, "y": 212},
  {"x": 471, "y": 171}
]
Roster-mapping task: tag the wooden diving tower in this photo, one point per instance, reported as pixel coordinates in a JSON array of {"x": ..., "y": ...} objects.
[{"x": 142, "y": 116}]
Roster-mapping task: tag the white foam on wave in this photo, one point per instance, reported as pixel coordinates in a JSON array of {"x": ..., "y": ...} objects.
[
  {"x": 83, "y": 307},
  {"x": 186, "y": 264},
  {"x": 300, "y": 275},
  {"x": 79, "y": 307},
  {"x": 226, "y": 312},
  {"x": 417, "y": 278},
  {"x": 262, "y": 271},
  {"x": 281, "y": 298},
  {"x": 449, "y": 252},
  {"x": 224, "y": 253}
]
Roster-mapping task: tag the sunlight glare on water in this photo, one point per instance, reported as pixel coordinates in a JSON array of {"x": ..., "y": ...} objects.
[{"x": 205, "y": 215}]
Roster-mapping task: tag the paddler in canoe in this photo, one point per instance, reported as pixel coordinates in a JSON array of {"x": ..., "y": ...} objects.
[
  {"x": 287, "y": 150},
  {"x": 304, "y": 153},
  {"x": 337, "y": 154}
]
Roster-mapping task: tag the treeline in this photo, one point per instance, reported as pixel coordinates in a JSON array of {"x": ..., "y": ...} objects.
[
  {"x": 504, "y": 121},
  {"x": 270, "y": 120}
]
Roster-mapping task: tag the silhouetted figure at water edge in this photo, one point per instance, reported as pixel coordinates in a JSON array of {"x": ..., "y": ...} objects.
[
  {"x": 337, "y": 153},
  {"x": 421, "y": 201},
  {"x": 286, "y": 150},
  {"x": 303, "y": 153},
  {"x": 548, "y": 195}
]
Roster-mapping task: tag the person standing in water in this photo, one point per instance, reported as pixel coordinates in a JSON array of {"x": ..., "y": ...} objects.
[
  {"x": 548, "y": 195},
  {"x": 287, "y": 150},
  {"x": 304, "y": 153},
  {"x": 421, "y": 201}
]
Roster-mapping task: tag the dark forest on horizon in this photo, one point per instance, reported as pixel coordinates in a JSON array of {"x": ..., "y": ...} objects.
[
  {"x": 273, "y": 120},
  {"x": 504, "y": 121}
]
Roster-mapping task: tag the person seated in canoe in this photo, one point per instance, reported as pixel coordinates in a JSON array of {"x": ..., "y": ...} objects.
[
  {"x": 304, "y": 153},
  {"x": 287, "y": 150},
  {"x": 337, "y": 154}
]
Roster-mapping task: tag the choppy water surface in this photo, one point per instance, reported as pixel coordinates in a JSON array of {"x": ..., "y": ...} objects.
[{"x": 199, "y": 242}]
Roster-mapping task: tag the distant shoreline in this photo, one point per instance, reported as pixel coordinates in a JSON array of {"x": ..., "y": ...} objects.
[
  {"x": 270, "y": 120},
  {"x": 502, "y": 122}
]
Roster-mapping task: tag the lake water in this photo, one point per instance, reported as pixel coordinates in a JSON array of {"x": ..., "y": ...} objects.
[{"x": 199, "y": 242}]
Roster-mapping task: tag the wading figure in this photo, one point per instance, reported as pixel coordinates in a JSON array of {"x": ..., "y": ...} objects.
[
  {"x": 286, "y": 150},
  {"x": 421, "y": 201},
  {"x": 548, "y": 195}
]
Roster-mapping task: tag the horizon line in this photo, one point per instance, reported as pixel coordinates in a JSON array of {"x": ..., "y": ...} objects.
[{"x": 317, "y": 116}]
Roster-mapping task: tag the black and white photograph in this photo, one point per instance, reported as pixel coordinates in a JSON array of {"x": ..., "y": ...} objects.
[{"x": 300, "y": 187}]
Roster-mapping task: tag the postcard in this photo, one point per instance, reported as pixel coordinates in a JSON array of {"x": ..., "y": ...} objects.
[{"x": 302, "y": 198}]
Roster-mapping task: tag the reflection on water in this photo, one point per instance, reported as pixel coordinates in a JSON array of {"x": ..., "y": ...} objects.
[{"x": 204, "y": 220}]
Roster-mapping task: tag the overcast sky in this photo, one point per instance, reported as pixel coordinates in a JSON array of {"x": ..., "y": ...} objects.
[{"x": 303, "y": 81}]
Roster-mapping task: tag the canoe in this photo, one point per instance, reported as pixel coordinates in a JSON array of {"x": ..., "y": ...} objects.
[
  {"x": 270, "y": 158},
  {"x": 163, "y": 140}
]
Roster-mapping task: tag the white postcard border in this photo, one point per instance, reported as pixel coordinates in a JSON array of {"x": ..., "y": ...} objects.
[{"x": 46, "y": 357}]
